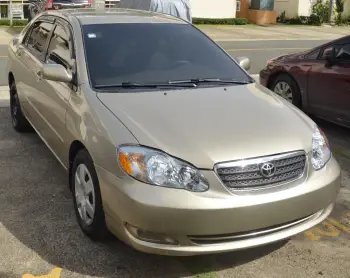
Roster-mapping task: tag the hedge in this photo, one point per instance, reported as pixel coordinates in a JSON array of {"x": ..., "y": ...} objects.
[
  {"x": 220, "y": 21},
  {"x": 302, "y": 20},
  {"x": 15, "y": 22}
]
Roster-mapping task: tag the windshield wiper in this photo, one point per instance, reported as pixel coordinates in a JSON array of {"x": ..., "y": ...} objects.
[
  {"x": 137, "y": 85},
  {"x": 210, "y": 80}
]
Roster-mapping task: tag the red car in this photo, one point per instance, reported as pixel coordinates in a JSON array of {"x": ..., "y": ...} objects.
[{"x": 316, "y": 81}]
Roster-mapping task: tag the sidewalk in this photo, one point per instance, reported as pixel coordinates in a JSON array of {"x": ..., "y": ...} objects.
[{"x": 273, "y": 32}]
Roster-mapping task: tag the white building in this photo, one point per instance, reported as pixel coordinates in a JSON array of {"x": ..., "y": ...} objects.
[
  {"x": 294, "y": 7},
  {"x": 213, "y": 9}
]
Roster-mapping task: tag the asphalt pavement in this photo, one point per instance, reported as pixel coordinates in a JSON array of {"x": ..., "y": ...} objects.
[
  {"x": 40, "y": 236},
  {"x": 258, "y": 51}
]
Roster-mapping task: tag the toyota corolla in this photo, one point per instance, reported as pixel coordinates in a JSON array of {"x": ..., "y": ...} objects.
[{"x": 168, "y": 142}]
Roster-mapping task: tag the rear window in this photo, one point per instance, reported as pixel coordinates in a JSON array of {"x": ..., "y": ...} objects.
[{"x": 154, "y": 53}]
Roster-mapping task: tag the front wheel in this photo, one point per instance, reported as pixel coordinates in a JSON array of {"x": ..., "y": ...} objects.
[
  {"x": 87, "y": 197},
  {"x": 286, "y": 87}
]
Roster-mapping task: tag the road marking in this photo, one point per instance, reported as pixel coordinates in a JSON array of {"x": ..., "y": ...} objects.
[
  {"x": 329, "y": 228},
  {"x": 267, "y": 49},
  {"x": 55, "y": 273}
]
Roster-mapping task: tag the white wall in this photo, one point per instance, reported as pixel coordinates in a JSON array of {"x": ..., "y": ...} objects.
[
  {"x": 295, "y": 7},
  {"x": 305, "y": 7},
  {"x": 291, "y": 7},
  {"x": 346, "y": 8},
  {"x": 213, "y": 9}
]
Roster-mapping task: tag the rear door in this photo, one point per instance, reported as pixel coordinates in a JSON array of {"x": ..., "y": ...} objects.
[
  {"x": 32, "y": 56},
  {"x": 340, "y": 74}
]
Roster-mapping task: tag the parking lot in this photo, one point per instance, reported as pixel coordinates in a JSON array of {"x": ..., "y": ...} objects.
[
  {"x": 39, "y": 234},
  {"x": 40, "y": 237}
]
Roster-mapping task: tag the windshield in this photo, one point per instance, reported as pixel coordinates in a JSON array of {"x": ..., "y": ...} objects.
[{"x": 154, "y": 54}]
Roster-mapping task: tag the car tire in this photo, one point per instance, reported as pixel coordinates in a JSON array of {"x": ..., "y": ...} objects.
[
  {"x": 19, "y": 121},
  {"x": 286, "y": 87},
  {"x": 87, "y": 197}
]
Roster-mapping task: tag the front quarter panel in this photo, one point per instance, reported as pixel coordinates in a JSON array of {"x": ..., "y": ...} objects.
[{"x": 297, "y": 68}]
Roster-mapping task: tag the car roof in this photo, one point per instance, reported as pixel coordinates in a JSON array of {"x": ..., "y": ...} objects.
[
  {"x": 88, "y": 16},
  {"x": 345, "y": 39}
]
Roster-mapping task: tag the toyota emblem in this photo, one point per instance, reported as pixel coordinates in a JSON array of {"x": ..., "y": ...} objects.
[{"x": 267, "y": 170}]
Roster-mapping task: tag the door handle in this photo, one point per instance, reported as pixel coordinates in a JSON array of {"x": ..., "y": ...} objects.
[{"x": 39, "y": 75}]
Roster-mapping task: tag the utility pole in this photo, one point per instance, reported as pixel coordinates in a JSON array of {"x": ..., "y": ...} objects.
[{"x": 331, "y": 8}]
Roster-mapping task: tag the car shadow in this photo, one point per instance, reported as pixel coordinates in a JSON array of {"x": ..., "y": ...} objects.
[{"x": 36, "y": 208}]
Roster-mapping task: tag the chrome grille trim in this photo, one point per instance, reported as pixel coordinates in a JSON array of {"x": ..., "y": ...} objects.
[
  {"x": 215, "y": 239},
  {"x": 245, "y": 174}
]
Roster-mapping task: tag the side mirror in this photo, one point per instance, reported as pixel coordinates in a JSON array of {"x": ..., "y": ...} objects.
[
  {"x": 244, "y": 62},
  {"x": 56, "y": 72},
  {"x": 329, "y": 56}
]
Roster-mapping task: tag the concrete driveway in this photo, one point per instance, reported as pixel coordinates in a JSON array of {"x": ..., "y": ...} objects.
[{"x": 39, "y": 234}]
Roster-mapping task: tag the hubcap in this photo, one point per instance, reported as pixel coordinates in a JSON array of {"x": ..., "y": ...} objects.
[
  {"x": 84, "y": 194},
  {"x": 14, "y": 108},
  {"x": 284, "y": 90}
]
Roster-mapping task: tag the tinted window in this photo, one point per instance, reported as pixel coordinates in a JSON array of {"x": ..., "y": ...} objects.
[
  {"x": 154, "y": 53},
  {"x": 59, "y": 50},
  {"x": 313, "y": 55},
  {"x": 344, "y": 53},
  {"x": 38, "y": 37}
]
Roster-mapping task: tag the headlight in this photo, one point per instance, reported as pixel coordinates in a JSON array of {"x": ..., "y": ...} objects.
[
  {"x": 321, "y": 152},
  {"x": 158, "y": 168}
]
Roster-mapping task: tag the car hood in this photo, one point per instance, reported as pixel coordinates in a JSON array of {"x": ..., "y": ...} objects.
[{"x": 205, "y": 126}]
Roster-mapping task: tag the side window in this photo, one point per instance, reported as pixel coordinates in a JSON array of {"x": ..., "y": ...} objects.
[
  {"x": 59, "y": 51},
  {"x": 313, "y": 55},
  {"x": 344, "y": 53},
  {"x": 37, "y": 39}
]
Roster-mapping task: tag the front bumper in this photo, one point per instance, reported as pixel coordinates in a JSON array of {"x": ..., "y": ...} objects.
[
  {"x": 264, "y": 76},
  {"x": 216, "y": 220}
]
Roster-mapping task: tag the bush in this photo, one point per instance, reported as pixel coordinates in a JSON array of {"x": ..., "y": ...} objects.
[
  {"x": 305, "y": 20},
  {"x": 295, "y": 20},
  {"x": 15, "y": 22},
  {"x": 220, "y": 21},
  {"x": 314, "y": 19},
  {"x": 344, "y": 21},
  {"x": 339, "y": 9},
  {"x": 322, "y": 10},
  {"x": 282, "y": 17}
]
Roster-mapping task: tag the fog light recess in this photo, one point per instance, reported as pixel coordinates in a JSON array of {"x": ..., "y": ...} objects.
[{"x": 150, "y": 236}]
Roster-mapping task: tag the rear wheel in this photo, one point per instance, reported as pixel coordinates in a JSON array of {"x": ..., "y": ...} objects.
[
  {"x": 286, "y": 87},
  {"x": 19, "y": 122}
]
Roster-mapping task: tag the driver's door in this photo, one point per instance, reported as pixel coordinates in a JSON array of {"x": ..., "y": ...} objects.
[
  {"x": 54, "y": 101},
  {"x": 322, "y": 84}
]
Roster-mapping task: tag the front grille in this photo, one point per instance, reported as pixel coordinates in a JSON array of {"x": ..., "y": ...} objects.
[{"x": 248, "y": 174}]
